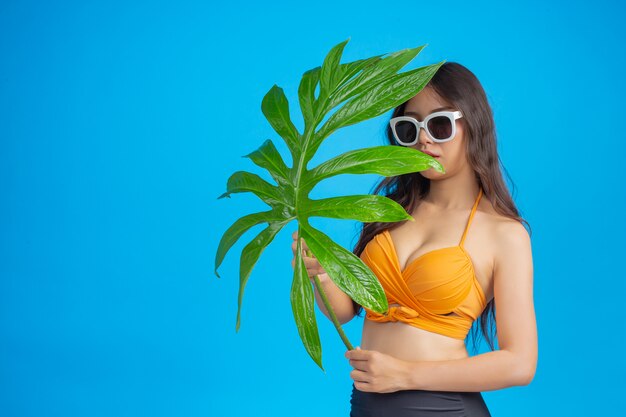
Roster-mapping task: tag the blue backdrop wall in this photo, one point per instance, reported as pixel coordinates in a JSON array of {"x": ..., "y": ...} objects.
[{"x": 120, "y": 123}]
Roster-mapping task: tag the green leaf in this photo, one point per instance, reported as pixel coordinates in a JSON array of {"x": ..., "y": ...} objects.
[
  {"x": 249, "y": 256},
  {"x": 380, "y": 70},
  {"x": 275, "y": 107},
  {"x": 376, "y": 100},
  {"x": 364, "y": 208},
  {"x": 303, "y": 307},
  {"x": 267, "y": 157},
  {"x": 346, "y": 270},
  {"x": 367, "y": 88},
  {"x": 234, "y": 232},
  {"x": 383, "y": 160},
  {"x": 331, "y": 71},
  {"x": 242, "y": 181},
  {"x": 350, "y": 69},
  {"x": 306, "y": 94}
]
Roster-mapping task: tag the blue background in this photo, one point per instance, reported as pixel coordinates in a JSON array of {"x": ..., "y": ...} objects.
[{"x": 120, "y": 123}]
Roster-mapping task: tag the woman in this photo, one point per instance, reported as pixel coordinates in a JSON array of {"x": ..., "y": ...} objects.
[{"x": 466, "y": 248}]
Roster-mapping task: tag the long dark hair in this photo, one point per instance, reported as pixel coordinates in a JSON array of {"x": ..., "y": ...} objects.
[{"x": 459, "y": 87}]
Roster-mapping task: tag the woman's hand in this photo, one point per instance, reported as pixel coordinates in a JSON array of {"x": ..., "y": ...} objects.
[
  {"x": 376, "y": 371},
  {"x": 313, "y": 267}
]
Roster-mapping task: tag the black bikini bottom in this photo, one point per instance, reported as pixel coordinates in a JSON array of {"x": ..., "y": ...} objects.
[{"x": 417, "y": 403}]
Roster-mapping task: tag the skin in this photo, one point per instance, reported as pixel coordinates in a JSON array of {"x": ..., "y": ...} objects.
[{"x": 396, "y": 356}]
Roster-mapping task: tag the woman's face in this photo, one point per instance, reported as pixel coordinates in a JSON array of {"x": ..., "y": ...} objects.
[{"x": 451, "y": 154}]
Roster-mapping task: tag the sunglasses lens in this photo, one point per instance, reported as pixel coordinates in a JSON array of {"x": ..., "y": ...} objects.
[
  {"x": 405, "y": 131},
  {"x": 440, "y": 127}
]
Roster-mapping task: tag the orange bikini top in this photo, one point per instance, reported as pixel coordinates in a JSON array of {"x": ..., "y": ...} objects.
[{"x": 438, "y": 291}]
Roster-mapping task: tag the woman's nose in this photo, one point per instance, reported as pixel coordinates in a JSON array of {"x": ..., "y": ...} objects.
[{"x": 423, "y": 137}]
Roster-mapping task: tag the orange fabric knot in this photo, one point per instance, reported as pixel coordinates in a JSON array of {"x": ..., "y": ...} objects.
[{"x": 403, "y": 311}]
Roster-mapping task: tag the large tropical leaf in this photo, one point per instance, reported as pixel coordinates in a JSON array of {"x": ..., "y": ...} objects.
[{"x": 368, "y": 87}]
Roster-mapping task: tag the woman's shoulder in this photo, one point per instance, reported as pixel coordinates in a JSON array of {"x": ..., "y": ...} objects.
[
  {"x": 499, "y": 225},
  {"x": 504, "y": 238}
]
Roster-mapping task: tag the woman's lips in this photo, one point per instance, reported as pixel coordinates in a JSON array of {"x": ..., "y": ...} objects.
[{"x": 431, "y": 154}]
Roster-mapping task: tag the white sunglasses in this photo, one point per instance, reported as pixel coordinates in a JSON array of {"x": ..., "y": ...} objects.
[{"x": 440, "y": 127}]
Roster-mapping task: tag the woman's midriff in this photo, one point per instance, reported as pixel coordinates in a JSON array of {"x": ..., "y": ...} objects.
[{"x": 410, "y": 343}]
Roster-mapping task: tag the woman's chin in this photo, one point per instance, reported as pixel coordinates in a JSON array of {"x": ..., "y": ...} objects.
[{"x": 431, "y": 173}]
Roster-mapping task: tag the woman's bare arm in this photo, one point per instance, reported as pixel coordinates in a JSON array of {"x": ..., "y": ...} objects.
[{"x": 341, "y": 303}]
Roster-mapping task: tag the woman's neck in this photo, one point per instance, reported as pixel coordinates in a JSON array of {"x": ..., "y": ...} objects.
[{"x": 454, "y": 193}]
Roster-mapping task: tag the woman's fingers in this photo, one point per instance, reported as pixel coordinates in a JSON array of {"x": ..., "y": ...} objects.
[
  {"x": 312, "y": 266},
  {"x": 294, "y": 245},
  {"x": 311, "y": 263}
]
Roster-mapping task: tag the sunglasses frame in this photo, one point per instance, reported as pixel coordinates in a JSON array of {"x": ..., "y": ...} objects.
[{"x": 452, "y": 115}]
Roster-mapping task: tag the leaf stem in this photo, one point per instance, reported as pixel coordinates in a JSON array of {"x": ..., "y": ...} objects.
[{"x": 329, "y": 308}]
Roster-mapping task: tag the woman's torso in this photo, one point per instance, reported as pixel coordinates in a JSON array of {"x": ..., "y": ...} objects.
[{"x": 434, "y": 229}]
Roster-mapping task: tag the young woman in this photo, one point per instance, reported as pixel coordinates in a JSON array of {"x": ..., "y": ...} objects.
[{"x": 443, "y": 272}]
